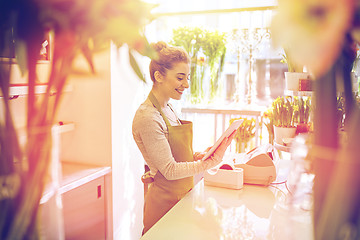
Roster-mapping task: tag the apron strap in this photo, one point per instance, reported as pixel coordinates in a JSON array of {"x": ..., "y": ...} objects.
[
  {"x": 156, "y": 104},
  {"x": 177, "y": 118}
]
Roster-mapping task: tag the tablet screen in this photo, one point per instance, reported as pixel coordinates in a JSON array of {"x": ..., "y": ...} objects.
[{"x": 233, "y": 127}]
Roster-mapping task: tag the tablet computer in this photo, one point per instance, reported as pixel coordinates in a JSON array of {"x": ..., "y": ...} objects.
[{"x": 233, "y": 127}]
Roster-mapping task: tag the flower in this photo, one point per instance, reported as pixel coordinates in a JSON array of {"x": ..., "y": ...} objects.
[
  {"x": 312, "y": 31},
  {"x": 76, "y": 26}
]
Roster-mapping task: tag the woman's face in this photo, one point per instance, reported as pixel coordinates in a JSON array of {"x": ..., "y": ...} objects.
[{"x": 176, "y": 80}]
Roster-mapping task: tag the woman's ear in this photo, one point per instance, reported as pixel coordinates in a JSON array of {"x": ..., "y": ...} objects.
[{"x": 158, "y": 77}]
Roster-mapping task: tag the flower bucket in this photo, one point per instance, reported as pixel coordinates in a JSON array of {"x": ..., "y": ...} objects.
[
  {"x": 283, "y": 132},
  {"x": 292, "y": 80},
  {"x": 302, "y": 128}
]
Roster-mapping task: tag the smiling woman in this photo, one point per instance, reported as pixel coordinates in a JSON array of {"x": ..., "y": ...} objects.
[
  {"x": 164, "y": 140},
  {"x": 169, "y": 72}
]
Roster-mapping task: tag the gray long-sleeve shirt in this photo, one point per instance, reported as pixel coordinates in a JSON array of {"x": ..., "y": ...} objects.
[{"x": 151, "y": 136}]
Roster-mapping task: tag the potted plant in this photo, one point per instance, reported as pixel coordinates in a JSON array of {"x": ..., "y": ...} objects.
[
  {"x": 294, "y": 73},
  {"x": 302, "y": 114},
  {"x": 283, "y": 119}
]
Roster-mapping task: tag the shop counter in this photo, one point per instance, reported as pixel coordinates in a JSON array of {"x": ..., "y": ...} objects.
[{"x": 253, "y": 212}]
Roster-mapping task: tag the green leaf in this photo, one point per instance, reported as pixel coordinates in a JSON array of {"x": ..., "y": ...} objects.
[{"x": 135, "y": 66}]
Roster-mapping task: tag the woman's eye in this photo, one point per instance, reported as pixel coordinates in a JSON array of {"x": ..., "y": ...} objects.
[{"x": 180, "y": 79}]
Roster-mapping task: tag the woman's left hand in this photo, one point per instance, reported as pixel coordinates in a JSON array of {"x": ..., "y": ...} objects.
[{"x": 200, "y": 155}]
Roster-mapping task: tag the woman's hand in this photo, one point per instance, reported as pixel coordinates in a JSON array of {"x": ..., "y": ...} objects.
[
  {"x": 200, "y": 155},
  {"x": 220, "y": 151}
]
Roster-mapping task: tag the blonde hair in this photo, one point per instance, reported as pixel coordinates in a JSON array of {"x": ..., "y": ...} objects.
[{"x": 166, "y": 57}]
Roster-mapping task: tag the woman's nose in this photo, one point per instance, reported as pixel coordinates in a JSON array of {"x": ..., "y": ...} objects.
[{"x": 186, "y": 83}]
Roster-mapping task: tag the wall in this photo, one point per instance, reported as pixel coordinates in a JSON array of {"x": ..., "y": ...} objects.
[
  {"x": 88, "y": 105},
  {"x": 127, "y": 93},
  {"x": 102, "y": 107}
]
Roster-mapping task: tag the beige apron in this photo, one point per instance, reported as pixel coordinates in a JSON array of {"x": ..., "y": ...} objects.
[{"x": 163, "y": 194}]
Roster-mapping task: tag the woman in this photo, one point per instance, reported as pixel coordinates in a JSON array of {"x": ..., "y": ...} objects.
[{"x": 164, "y": 140}]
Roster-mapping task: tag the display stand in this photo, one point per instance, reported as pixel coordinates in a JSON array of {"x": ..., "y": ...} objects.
[{"x": 282, "y": 147}]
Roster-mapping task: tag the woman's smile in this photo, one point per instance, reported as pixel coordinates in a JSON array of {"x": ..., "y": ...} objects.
[{"x": 179, "y": 90}]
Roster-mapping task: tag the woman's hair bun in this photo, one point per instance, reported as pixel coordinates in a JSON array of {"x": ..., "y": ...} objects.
[
  {"x": 159, "y": 46},
  {"x": 165, "y": 58}
]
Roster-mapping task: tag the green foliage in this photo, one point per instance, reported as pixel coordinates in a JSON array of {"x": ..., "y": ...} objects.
[
  {"x": 207, "y": 50},
  {"x": 268, "y": 120},
  {"x": 191, "y": 40},
  {"x": 244, "y": 133},
  {"x": 214, "y": 48},
  {"x": 302, "y": 109},
  {"x": 77, "y": 27},
  {"x": 287, "y": 111},
  {"x": 283, "y": 112}
]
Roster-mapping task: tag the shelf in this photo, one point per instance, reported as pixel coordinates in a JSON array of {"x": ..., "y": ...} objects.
[
  {"x": 282, "y": 147},
  {"x": 63, "y": 128},
  {"x": 305, "y": 93},
  {"x": 298, "y": 93},
  {"x": 6, "y": 60},
  {"x": 22, "y": 89},
  {"x": 66, "y": 127}
]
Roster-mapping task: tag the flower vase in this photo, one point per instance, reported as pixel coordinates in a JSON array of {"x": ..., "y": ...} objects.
[
  {"x": 302, "y": 128},
  {"x": 244, "y": 145},
  {"x": 283, "y": 132},
  {"x": 241, "y": 147}
]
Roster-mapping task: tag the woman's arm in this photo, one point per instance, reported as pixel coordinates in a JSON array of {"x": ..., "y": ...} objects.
[
  {"x": 221, "y": 151},
  {"x": 151, "y": 131}
]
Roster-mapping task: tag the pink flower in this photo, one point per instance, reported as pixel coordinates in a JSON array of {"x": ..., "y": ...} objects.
[{"x": 312, "y": 31}]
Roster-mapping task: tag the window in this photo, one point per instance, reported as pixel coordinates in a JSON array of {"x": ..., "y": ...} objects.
[{"x": 252, "y": 71}]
